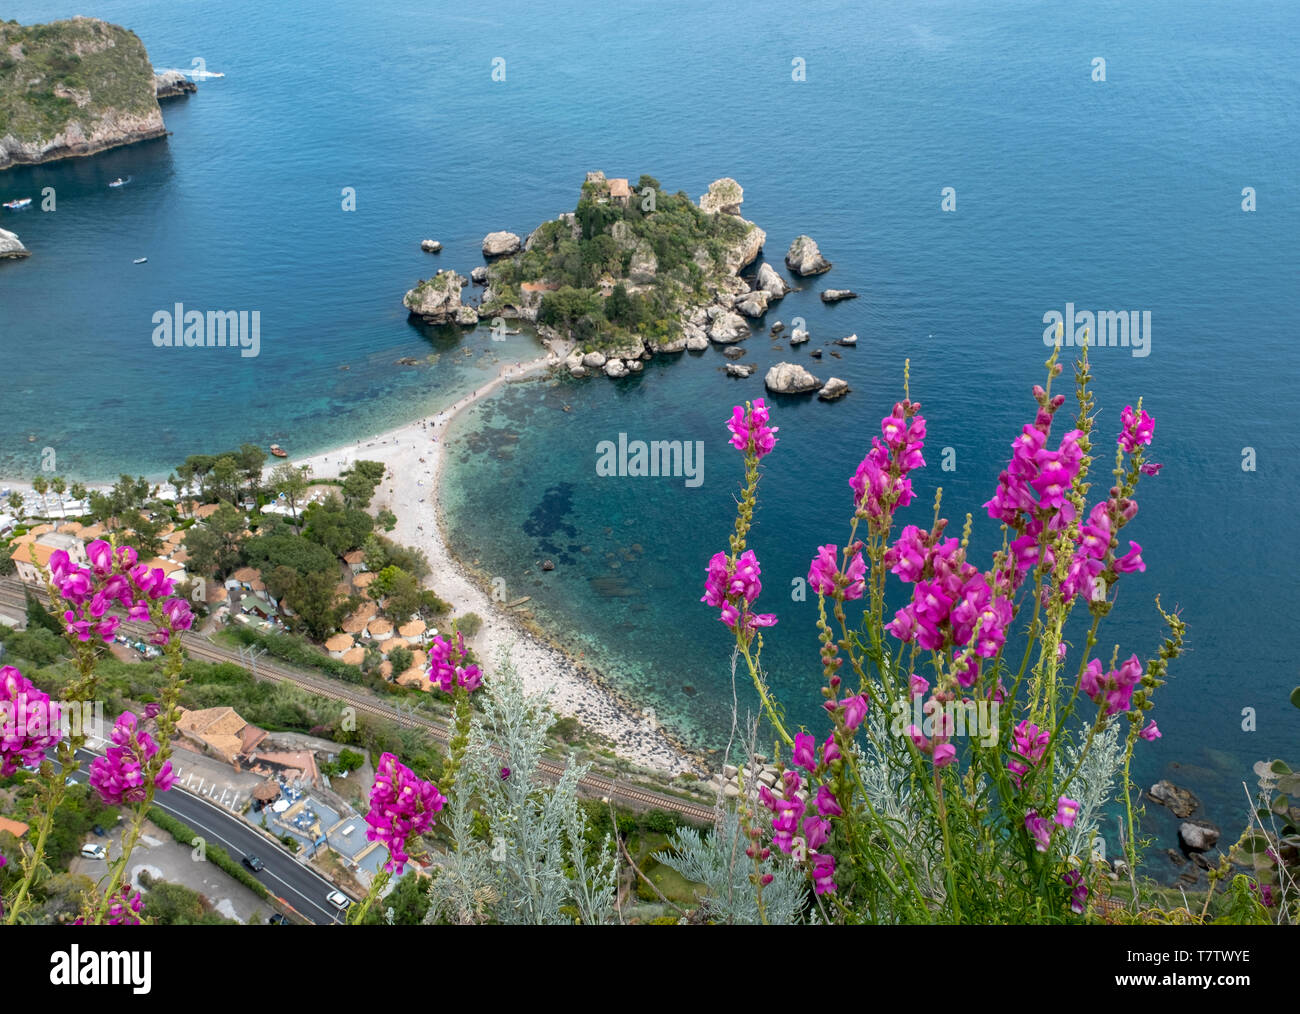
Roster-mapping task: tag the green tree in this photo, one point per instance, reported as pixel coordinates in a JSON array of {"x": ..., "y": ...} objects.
[
  {"x": 408, "y": 901},
  {"x": 145, "y": 531},
  {"x": 291, "y": 483},
  {"x": 401, "y": 659},
  {"x": 251, "y": 460},
  {"x": 59, "y": 486},
  {"x": 39, "y": 616},
  {"x": 215, "y": 547},
  {"x": 225, "y": 478},
  {"x": 41, "y": 485},
  {"x": 337, "y": 528},
  {"x": 316, "y": 604},
  {"x": 16, "y": 505}
]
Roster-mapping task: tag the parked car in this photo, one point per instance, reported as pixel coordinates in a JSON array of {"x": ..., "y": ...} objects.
[
  {"x": 93, "y": 851},
  {"x": 253, "y": 863},
  {"x": 278, "y": 919},
  {"x": 339, "y": 900},
  {"x": 99, "y": 830}
]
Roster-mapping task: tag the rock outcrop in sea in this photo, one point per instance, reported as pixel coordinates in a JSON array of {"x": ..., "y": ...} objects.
[
  {"x": 790, "y": 378},
  {"x": 54, "y": 107},
  {"x": 10, "y": 247},
  {"x": 500, "y": 244},
  {"x": 838, "y": 295},
  {"x": 171, "y": 84},
  {"x": 437, "y": 300},
  {"x": 803, "y": 257}
]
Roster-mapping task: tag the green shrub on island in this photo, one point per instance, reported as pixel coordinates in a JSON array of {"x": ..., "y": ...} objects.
[{"x": 628, "y": 271}]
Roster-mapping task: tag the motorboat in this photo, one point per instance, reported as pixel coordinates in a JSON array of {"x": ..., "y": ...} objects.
[
  {"x": 20, "y": 202},
  {"x": 119, "y": 182},
  {"x": 140, "y": 260},
  {"x": 279, "y": 451}
]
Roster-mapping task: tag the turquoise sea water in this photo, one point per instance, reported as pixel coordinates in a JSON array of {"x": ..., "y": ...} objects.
[{"x": 1116, "y": 195}]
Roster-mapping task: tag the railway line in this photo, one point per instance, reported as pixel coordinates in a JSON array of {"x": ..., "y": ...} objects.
[{"x": 12, "y": 596}]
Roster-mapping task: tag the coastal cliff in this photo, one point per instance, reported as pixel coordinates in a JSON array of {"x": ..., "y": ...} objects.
[
  {"x": 10, "y": 247},
  {"x": 71, "y": 88}
]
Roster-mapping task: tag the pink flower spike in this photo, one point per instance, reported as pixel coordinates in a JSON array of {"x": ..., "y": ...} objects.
[{"x": 1151, "y": 733}]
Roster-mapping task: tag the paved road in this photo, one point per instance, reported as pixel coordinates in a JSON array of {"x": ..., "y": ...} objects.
[{"x": 298, "y": 885}]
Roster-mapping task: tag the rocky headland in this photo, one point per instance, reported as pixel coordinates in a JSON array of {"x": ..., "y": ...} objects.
[{"x": 73, "y": 88}]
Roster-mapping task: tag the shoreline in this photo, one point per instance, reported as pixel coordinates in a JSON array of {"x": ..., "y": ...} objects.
[{"x": 414, "y": 456}]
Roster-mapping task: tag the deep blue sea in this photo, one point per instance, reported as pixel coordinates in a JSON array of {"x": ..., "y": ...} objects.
[{"x": 1122, "y": 194}]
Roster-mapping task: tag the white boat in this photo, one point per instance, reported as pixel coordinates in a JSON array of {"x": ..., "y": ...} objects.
[
  {"x": 19, "y": 203},
  {"x": 140, "y": 260},
  {"x": 119, "y": 182}
]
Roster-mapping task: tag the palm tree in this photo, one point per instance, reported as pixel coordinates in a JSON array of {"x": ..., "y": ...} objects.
[
  {"x": 59, "y": 486},
  {"x": 42, "y": 486}
]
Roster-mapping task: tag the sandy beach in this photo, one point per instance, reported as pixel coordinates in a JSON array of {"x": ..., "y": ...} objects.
[{"x": 414, "y": 456}]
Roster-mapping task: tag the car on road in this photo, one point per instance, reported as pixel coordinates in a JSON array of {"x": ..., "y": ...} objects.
[
  {"x": 253, "y": 863},
  {"x": 339, "y": 900},
  {"x": 91, "y": 850}
]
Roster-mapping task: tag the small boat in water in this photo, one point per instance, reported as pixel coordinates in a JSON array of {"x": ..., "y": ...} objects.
[
  {"x": 140, "y": 260},
  {"x": 119, "y": 182},
  {"x": 18, "y": 203},
  {"x": 279, "y": 451}
]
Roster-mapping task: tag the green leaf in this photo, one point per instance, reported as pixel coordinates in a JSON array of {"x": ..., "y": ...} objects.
[
  {"x": 1295, "y": 697},
  {"x": 1279, "y": 768},
  {"x": 1279, "y": 805},
  {"x": 1254, "y": 843}
]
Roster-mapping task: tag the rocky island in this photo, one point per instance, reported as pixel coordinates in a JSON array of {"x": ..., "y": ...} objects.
[
  {"x": 631, "y": 273},
  {"x": 10, "y": 247},
  {"x": 76, "y": 87}
]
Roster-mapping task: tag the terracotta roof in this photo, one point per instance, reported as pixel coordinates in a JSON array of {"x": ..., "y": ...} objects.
[
  {"x": 414, "y": 677},
  {"x": 94, "y": 531},
  {"x": 40, "y": 530},
  {"x": 71, "y": 527},
  {"x": 386, "y": 669},
  {"x": 245, "y": 574},
  {"x": 619, "y": 188},
  {"x": 339, "y": 642},
  {"x": 354, "y": 656},
  {"x": 363, "y": 580},
  {"x": 207, "y": 510},
  {"x": 356, "y": 623},
  {"x": 380, "y": 627},
  {"x": 267, "y": 792},
  {"x": 356, "y": 556},
  {"x": 168, "y": 567},
  {"x": 413, "y": 629},
  {"x": 216, "y": 593},
  {"x": 391, "y": 643},
  {"x": 15, "y": 827}
]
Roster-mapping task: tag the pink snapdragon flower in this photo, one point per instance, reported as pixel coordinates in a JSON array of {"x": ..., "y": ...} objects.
[
  {"x": 728, "y": 587},
  {"x": 750, "y": 432},
  {"x": 1151, "y": 733},
  {"x": 1137, "y": 430},
  {"x": 880, "y": 483},
  {"x": 401, "y": 806},
  {"x": 121, "y": 775},
  {"x": 28, "y": 722},
  {"x": 1030, "y": 745},
  {"x": 823, "y": 873},
  {"x": 1040, "y": 829},
  {"x": 447, "y": 666},
  {"x": 1079, "y": 892},
  {"x": 826, "y": 579},
  {"x": 1114, "y": 689},
  {"x": 1067, "y": 810},
  {"x": 123, "y": 910}
]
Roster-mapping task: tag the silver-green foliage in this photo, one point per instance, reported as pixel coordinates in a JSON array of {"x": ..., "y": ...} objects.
[
  {"x": 533, "y": 867},
  {"x": 717, "y": 861}
]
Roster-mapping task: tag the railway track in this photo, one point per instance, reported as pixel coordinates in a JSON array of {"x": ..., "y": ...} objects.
[{"x": 12, "y": 596}]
